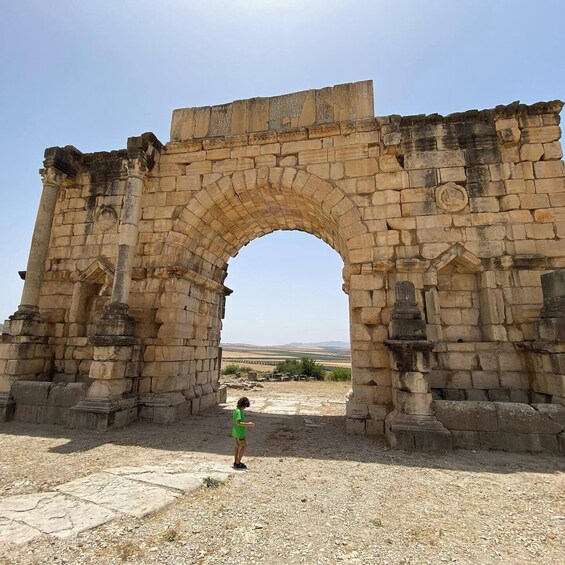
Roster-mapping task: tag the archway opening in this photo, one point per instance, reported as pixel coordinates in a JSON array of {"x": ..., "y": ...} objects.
[{"x": 288, "y": 306}]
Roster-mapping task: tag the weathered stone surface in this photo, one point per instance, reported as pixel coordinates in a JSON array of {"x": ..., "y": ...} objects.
[
  {"x": 555, "y": 412},
  {"x": 181, "y": 475},
  {"x": 307, "y": 108},
  {"x": 120, "y": 494},
  {"x": 30, "y": 392},
  {"x": 505, "y": 441},
  {"x": 16, "y": 532},
  {"x": 525, "y": 419},
  {"x": 53, "y": 513},
  {"x": 468, "y": 416}
]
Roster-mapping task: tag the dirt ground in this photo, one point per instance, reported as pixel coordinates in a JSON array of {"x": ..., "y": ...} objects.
[{"x": 311, "y": 495}]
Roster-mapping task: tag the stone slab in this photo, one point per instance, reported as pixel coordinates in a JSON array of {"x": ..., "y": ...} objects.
[
  {"x": 120, "y": 494},
  {"x": 16, "y": 532},
  {"x": 177, "y": 475},
  {"x": 184, "y": 482},
  {"x": 53, "y": 513}
]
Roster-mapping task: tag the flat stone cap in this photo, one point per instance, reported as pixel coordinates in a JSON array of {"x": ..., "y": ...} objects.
[{"x": 340, "y": 103}]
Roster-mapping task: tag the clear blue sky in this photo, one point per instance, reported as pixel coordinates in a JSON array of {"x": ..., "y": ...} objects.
[{"x": 92, "y": 73}]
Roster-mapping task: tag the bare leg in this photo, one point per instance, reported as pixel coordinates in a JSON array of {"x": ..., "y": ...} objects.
[
  {"x": 239, "y": 450},
  {"x": 242, "y": 450}
]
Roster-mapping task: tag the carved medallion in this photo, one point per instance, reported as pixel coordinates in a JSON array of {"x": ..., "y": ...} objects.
[
  {"x": 451, "y": 197},
  {"x": 106, "y": 218}
]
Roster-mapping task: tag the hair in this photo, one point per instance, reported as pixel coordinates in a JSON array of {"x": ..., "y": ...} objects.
[{"x": 243, "y": 402}]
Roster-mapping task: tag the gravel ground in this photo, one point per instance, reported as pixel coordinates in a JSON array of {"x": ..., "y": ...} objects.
[{"x": 311, "y": 495}]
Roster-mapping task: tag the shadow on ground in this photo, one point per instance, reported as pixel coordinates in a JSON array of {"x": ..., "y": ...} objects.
[{"x": 282, "y": 436}]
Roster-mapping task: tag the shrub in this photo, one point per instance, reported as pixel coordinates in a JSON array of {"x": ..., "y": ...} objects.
[
  {"x": 211, "y": 482},
  {"x": 339, "y": 374},
  {"x": 311, "y": 369},
  {"x": 232, "y": 369},
  {"x": 305, "y": 366},
  {"x": 291, "y": 366}
]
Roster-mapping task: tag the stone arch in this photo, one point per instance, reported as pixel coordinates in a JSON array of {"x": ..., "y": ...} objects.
[
  {"x": 212, "y": 227},
  {"x": 229, "y": 213}
]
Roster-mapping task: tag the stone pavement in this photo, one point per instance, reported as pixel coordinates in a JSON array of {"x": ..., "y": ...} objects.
[{"x": 95, "y": 499}]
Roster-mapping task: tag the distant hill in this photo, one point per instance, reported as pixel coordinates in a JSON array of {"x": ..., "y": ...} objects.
[
  {"x": 294, "y": 344},
  {"x": 326, "y": 344}
]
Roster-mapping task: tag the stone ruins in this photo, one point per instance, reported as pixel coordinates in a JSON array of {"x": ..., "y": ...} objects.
[{"x": 451, "y": 230}]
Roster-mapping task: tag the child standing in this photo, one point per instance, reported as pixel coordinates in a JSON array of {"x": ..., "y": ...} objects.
[{"x": 239, "y": 432}]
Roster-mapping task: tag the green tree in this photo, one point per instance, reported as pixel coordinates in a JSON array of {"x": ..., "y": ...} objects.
[{"x": 312, "y": 369}]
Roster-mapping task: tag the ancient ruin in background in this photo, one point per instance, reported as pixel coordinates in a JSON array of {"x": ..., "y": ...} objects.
[{"x": 450, "y": 229}]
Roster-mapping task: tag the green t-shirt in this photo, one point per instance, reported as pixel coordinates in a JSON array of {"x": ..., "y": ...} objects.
[{"x": 238, "y": 432}]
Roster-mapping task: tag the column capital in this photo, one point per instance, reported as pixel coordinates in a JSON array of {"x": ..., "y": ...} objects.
[
  {"x": 52, "y": 176},
  {"x": 137, "y": 167}
]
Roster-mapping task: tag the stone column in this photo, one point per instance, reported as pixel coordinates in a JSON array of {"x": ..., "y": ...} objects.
[
  {"x": 433, "y": 314},
  {"x": 26, "y": 320},
  {"x": 412, "y": 424},
  {"x": 24, "y": 353},
  {"x": 115, "y": 321},
  {"x": 112, "y": 399}
]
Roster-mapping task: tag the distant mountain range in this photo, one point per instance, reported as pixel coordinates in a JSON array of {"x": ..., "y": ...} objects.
[
  {"x": 329, "y": 344},
  {"x": 295, "y": 344}
]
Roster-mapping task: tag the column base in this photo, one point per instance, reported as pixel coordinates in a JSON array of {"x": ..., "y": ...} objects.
[
  {"x": 164, "y": 408},
  {"x": 115, "y": 322},
  {"x": 414, "y": 432},
  {"x": 104, "y": 413},
  {"x": 25, "y": 321},
  {"x": 7, "y": 407}
]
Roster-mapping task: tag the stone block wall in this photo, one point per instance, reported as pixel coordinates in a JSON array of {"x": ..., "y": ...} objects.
[
  {"x": 480, "y": 371},
  {"x": 45, "y": 402},
  {"x": 504, "y": 426},
  {"x": 82, "y": 251}
]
